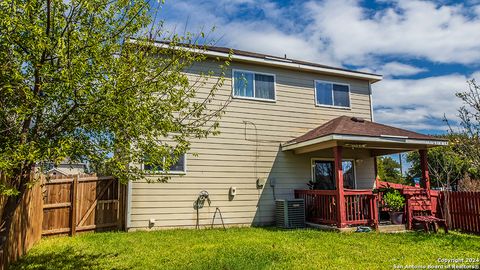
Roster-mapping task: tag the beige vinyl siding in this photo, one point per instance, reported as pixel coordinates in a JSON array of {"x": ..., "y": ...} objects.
[
  {"x": 365, "y": 173},
  {"x": 240, "y": 155}
]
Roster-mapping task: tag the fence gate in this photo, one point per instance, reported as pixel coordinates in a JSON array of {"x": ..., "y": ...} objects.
[{"x": 82, "y": 203}]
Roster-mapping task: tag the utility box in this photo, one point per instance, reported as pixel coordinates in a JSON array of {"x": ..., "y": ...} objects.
[{"x": 290, "y": 214}]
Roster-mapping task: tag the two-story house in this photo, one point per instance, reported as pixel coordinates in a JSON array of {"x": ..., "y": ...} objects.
[{"x": 289, "y": 122}]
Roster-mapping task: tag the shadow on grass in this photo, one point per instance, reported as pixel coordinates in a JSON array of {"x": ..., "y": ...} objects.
[{"x": 66, "y": 258}]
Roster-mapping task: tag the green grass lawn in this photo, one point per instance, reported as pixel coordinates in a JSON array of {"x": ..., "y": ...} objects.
[{"x": 248, "y": 248}]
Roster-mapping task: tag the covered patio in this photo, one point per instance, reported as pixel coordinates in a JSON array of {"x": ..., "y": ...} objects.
[{"x": 332, "y": 200}]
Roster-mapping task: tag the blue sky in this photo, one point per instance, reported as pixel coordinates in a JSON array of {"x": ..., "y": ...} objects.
[{"x": 426, "y": 50}]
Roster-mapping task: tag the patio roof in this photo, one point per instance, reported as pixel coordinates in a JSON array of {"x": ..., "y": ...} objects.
[{"x": 358, "y": 133}]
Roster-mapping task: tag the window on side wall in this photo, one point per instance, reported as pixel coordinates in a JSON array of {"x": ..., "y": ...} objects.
[
  {"x": 178, "y": 167},
  {"x": 332, "y": 94},
  {"x": 253, "y": 85}
]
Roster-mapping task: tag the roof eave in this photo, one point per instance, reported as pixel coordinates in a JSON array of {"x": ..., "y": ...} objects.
[
  {"x": 366, "y": 139},
  {"x": 344, "y": 73},
  {"x": 372, "y": 78}
]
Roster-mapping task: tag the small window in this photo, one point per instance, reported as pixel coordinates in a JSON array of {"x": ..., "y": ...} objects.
[
  {"x": 178, "y": 167},
  {"x": 332, "y": 94},
  {"x": 253, "y": 85}
]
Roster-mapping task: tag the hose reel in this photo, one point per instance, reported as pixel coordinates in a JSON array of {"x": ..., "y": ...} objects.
[{"x": 200, "y": 202}]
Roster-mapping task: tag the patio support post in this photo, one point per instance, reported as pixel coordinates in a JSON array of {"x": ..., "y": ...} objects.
[
  {"x": 424, "y": 167},
  {"x": 375, "y": 200},
  {"x": 341, "y": 215}
]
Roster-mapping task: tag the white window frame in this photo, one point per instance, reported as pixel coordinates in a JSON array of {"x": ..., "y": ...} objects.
[
  {"x": 169, "y": 172},
  {"x": 255, "y": 98},
  {"x": 332, "y": 106},
  {"x": 312, "y": 166}
]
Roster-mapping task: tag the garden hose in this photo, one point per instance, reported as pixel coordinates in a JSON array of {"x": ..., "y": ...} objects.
[{"x": 221, "y": 217}]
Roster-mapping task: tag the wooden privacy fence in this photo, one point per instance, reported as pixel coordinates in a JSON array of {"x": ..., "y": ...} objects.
[
  {"x": 82, "y": 203},
  {"x": 26, "y": 226},
  {"x": 464, "y": 210},
  {"x": 63, "y": 205}
]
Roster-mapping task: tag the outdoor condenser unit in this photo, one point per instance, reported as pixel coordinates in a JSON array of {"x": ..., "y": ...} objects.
[{"x": 290, "y": 214}]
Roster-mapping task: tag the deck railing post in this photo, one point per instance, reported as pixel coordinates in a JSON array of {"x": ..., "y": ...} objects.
[
  {"x": 73, "y": 206},
  {"x": 341, "y": 215},
  {"x": 375, "y": 211},
  {"x": 424, "y": 166},
  {"x": 375, "y": 169}
]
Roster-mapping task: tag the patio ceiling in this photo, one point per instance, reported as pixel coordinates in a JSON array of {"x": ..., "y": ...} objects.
[{"x": 352, "y": 132}]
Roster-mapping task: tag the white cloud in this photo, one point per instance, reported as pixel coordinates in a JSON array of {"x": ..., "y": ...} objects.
[
  {"x": 399, "y": 69},
  {"x": 415, "y": 103},
  {"x": 275, "y": 32},
  {"x": 342, "y": 32},
  {"x": 268, "y": 40},
  {"x": 411, "y": 28}
]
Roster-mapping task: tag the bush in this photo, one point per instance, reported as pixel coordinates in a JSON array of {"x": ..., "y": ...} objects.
[{"x": 394, "y": 200}]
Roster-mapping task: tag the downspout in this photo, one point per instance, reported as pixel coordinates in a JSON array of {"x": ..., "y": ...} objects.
[{"x": 371, "y": 100}]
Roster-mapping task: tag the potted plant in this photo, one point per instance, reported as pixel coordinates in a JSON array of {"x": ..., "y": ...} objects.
[{"x": 395, "y": 203}]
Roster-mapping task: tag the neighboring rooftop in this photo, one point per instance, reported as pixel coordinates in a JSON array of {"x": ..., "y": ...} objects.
[{"x": 345, "y": 125}]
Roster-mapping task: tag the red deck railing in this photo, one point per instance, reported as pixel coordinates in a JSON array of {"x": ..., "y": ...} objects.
[
  {"x": 320, "y": 206},
  {"x": 361, "y": 207}
]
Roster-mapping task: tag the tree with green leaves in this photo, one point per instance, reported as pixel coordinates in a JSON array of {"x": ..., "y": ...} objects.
[
  {"x": 389, "y": 169},
  {"x": 467, "y": 141},
  {"x": 83, "y": 80},
  {"x": 445, "y": 165}
]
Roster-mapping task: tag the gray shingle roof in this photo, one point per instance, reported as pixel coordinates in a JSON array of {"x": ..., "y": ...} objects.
[{"x": 345, "y": 125}]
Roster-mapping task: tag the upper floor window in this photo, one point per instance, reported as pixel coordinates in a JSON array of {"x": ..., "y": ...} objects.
[
  {"x": 253, "y": 85},
  {"x": 332, "y": 94},
  {"x": 178, "y": 167}
]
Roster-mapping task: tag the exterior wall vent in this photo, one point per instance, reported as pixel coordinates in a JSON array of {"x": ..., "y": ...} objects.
[{"x": 290, "y": 214}]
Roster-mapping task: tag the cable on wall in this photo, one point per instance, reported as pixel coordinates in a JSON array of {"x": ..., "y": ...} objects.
[
  {"x": 257, "y": 157},
  {"x": 255, "y": 168}
]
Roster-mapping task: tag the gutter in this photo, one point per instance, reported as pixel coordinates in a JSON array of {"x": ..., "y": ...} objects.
[
  {"x": 383, "y": 139},
  {"x": 271, "y": 61}
]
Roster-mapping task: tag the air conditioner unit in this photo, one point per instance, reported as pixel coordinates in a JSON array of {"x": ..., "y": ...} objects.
[{"x": 290, "y": 214}]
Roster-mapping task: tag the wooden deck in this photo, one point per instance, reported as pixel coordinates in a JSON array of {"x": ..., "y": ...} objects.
[{"x": 360, "y": 207}]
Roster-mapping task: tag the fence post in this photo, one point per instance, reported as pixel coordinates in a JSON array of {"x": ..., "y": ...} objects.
[
  {"x": 446, "y": 208},
  {"x": 73, "y": 214},
  {"x": 119, "y": 205}
]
